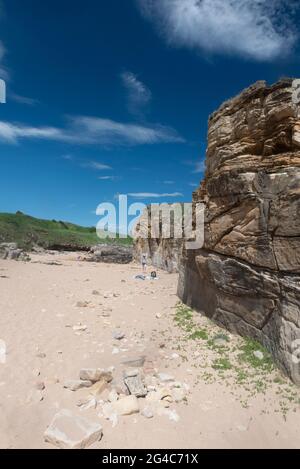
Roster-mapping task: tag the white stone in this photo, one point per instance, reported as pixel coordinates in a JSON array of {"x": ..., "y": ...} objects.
[
  {"x": 258, "y": 354},
  {"x": 147, "y": 412},
  {"x": 117, "y": 335},
  {"x": 68, "y": 431},
  {"x": 165, "y": 378},
  {"x": 178, "y": 394}
]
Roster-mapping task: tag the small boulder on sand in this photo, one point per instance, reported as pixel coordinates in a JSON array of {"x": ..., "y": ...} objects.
[
  {"x": 95, "y": 374},
  {"x": 68, "y": 431},
  {"x": 74, "y": 385}
]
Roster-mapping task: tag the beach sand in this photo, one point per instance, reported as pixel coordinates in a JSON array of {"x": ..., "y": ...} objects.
[{"x": 58, "y": 315}]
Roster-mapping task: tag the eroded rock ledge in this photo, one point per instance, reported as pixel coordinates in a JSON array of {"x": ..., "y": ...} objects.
[{"x": 247, "y": 276}]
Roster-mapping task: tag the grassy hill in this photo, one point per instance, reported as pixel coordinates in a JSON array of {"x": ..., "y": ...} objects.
[{"x": 28, "y": 231}]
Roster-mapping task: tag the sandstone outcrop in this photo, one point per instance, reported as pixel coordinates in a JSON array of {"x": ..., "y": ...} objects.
[
  {"x": 111, "y": 254},
  {"x": 162, "y": 252},
  {"x": 247, "y": 275}
]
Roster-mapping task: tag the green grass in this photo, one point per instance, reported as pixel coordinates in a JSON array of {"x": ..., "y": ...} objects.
[
  {"x": 28, "y": 231},
  {"x": 222, "y": 364},
  {"x": 247, "y": 355},
  {"x": 199, "y": 334}
]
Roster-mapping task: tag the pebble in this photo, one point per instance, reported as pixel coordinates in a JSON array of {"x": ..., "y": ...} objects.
[
  {"x": 118, "y": 335},
  {"x": 74, "y": 385},
  {"x": 258, "y": 354}
]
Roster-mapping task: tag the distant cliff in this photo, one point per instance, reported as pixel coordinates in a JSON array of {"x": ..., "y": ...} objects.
[{"x": 163, "y": 253}]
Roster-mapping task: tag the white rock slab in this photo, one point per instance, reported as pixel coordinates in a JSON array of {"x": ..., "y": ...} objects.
[{"x": 68, "y": 431}]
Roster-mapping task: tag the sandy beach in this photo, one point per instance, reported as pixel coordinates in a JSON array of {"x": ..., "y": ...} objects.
[{"x": 59, "y": 315}]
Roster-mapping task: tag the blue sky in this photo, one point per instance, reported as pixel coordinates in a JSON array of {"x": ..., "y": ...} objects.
[{"x": 108, "y": 97}]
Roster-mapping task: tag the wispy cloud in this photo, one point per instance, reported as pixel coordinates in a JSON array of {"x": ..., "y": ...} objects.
[
  {"x": 138, "y": 94},
  {"x": 95, "y": 165},
  {"x": 107, "y": 178},
  {"x": 255, "y": 29},
  {"x": 197, "y": 167},
  {"x": 169, "y": 182},
  {"x": 92, "y": 131},
  {"x": 153, "y": 195}
]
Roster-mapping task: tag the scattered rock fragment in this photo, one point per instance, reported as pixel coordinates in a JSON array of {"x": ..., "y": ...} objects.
[
  {"x": 89, "y": 403},
  {"x": 126, "y": 406},
  {"x": 147, "y": 412},
  {"x": 74, "y": 385},
  {"x": 134, "y": 384},
  {"x": 82, "y": 304},
  {"x": 258, "y": 354},
  {"x": 95, "y": 374},
  {"x": 118, "y": 335},
  {"x": 98, "y": 388},
  {"x": 165, "y": 378},
  {"x": 135, "y": 362},
  {"x": 68, "y": 431}
]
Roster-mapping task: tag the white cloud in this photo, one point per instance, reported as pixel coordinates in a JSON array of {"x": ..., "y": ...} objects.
[
  {"x": 153, "y": 195},
  {"x": 256, "y": 29},
  {"x": 138, "y": 93},
  {"x": 92, "y": 131},
  {"x": 106, "y": 178},
  {"x": 168, "y": 182},
  {"x": 95, "y": 165}
]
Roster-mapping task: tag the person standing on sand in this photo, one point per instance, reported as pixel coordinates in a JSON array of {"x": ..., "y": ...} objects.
[{"x": 144, "y": 262}]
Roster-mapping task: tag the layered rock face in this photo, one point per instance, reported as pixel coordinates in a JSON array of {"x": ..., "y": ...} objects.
[
  {"x": 163, "y": 252},
  {"x": 111, "y": 254},
  {"x": 247, "y": 275}
]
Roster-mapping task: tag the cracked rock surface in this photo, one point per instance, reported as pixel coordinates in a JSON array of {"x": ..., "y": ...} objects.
[{"x": 246, "y": 276}]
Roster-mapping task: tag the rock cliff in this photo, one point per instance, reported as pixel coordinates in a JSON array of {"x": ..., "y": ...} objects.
[
  {"x": 163, "y": 253},
  {"x": 247, "y": 275}
]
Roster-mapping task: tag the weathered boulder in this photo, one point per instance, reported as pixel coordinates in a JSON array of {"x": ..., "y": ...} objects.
[
  {"x": 247, "y": 275},
  {"x": 111, "y": 254},
  {"x": 162, "y": 252},
  {"x": 68, "y": 431}
]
